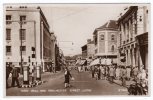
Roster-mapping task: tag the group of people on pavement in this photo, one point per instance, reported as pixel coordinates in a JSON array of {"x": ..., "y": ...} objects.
[
  {"x": 122, "y": 73},
  {"x": 82, "y": 68},
  {"x": 14, "y": 71}
]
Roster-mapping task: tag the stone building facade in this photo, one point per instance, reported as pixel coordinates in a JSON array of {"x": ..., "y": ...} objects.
[
  {"x": 131, "y": 24},
  {"x": 105, "y": 39},
  {"x": 35, "y": 34}
]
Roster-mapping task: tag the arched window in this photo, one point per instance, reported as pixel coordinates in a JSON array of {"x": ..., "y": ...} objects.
[
  {"x": 112, "y": 48},
  {"x": 112, "y": 37}
]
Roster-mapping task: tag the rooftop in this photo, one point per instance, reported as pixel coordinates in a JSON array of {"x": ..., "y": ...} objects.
[{"x": 110, "y": 25}]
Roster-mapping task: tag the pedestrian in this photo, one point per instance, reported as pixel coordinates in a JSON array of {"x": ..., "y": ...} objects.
[
  {"x": 99, "y": 72},
  {"x": 92, "y": 71},
  {"x": 106, "y": 72},
  {"x": 128, "y": 70},
  {"x": 79, "y": 68},
  {"x": 8, "y": 71},
  {"x": 102, "y": 72},
  {"x": 85, "y": 68},
  {"x": 50, "y": 68},
  {"x": 117, "y": 72},
  {"x": 135, "y": 72},
  {"x": 15, "y": 76},
  {"x": 67, "y": 77},
  {"x": 111, "y": 74},
  {"x": 123, "y": 76},
  {"x": 143, "y": 74},
  {"x": 96, "y": 71}
]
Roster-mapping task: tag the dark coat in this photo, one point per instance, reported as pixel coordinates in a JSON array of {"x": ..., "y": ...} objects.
[
  {"x": 15, "y": 72},
  {"x": 8, "y": 71},
  {"x": 67, "y": 77}
]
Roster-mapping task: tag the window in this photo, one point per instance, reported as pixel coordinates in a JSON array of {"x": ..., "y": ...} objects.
[
  {"x": 23, "y": 49},
  {"x": 102, "y": 37},
  {"x": 112, "y": 48},
  {"x": 23, "y": 18},
  {"x": 8, "y": 19},
  {"x": 8, "y": 50},
  {"x": 8, "y": 34},
  {"x": 112, "y": 37},
  {"x": 22, "y": 34}
]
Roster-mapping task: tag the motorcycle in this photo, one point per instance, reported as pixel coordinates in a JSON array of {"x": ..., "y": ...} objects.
[{"x": 138, "y": 88}]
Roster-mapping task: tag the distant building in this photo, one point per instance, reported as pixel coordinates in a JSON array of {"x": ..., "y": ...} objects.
[
  {"x": 53, "y": 43},
  {"x": 84, "y": 51},
  {"x": 133, "y": 36},
  {"x": 105, "y": 39},
  {"x": 90, "y": 48},
  {"x": 35, "y": 35}
]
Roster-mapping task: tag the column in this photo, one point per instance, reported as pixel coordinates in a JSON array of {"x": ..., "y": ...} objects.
[
  {"x": 129, "y": 57},
  {"x": 133, "y": 55},
  {"x": 42, "y": 47},
  {"x": 136, "y": 53},
  {"x": 146, "y": 58},
  {"x": 126, "y": 57}
]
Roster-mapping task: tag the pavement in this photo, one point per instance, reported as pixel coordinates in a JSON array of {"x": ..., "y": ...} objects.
[
  {"x": 83, "y": 85},
  {"x": 119, "y": 82},
  {"x": 44, "y": 75}
]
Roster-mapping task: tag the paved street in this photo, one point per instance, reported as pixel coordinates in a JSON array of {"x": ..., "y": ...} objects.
[{"x": 82, "y": 85}]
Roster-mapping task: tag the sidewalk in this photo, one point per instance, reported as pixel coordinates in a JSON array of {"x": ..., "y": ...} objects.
[
  {"x": 119, "y": 82},
  {"x": 44, "y": 77}
]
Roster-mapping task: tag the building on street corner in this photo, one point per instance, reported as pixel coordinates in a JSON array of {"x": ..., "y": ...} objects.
[
  {"x": 27, "y": 26},
  {"x": 105, "y": 39}
]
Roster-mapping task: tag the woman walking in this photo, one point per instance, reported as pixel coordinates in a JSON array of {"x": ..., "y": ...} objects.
[
  {"x": 67, "y": 77},
  {"x": 118, "y": 73}
]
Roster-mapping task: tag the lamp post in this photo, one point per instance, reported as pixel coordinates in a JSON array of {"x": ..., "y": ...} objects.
[{"x": 20, "y": 22}]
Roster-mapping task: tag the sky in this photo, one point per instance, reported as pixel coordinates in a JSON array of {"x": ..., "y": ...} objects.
[{"x": 73, "y": 24}]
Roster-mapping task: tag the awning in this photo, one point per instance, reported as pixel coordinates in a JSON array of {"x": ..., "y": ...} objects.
[
  {"x": 114, "y": 61},
  {"x": 106, "y": 61},
  {"x": 77, "y": 62},
  {"x": 95, "y": 62},
  {"x": 103, "y": 61},
  {"x": 83, "y": 62}
]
